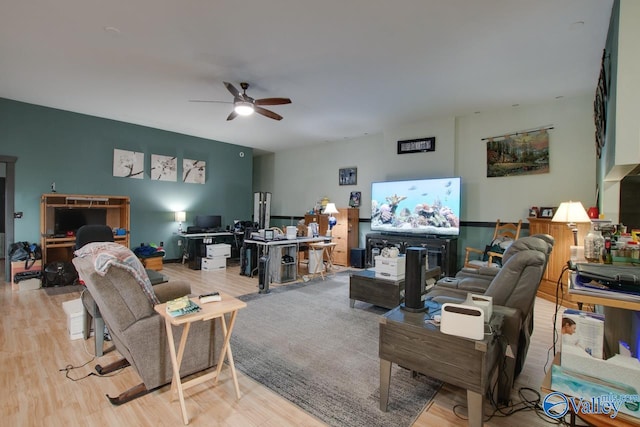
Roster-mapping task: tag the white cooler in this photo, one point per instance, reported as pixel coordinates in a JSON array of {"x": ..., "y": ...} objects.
[
  {"x": 75, "y": 318},
  {"x": 213, "y": 264}
]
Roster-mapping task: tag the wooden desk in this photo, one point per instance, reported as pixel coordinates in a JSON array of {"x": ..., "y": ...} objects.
[
  {"x": 407, "y": 340},
  {"x": 604, "y": 420},
  {"x": 213, "y": 310}
]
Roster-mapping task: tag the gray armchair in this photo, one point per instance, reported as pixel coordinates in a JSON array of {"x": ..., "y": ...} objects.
[
  {"x": 477, "y": 280},
  {"x": 139, "y": 333},
  {"x": 513, "y": 290}
]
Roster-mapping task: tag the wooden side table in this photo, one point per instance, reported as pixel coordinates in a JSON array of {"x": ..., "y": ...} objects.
[
  {"x": 213, "y": 310},
  {"x": 407, "y": 340},
  {"x": 322, "y": 250}
]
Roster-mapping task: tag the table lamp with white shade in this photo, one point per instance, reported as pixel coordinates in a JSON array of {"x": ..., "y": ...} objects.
[
  {"x": 571, "y": 213},
  {"x": 181, "y": 216},
  {"x": 330, "y": 210}
]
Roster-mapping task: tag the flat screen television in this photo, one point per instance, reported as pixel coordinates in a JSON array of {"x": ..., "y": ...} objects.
[
  {"x": 208, "y": 222},
  {"x": 67, "y": 220},
  {"x": 418, "y": 206}
]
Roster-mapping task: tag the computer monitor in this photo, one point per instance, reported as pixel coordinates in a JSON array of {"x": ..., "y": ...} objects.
[{"x": 208, "y": 222}]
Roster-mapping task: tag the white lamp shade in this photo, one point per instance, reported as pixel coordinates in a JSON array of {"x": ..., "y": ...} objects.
[
  {"x": 181, "y": 216},
  {"x": 572, "y": 212},
  {"x": 331, "y": 209}
]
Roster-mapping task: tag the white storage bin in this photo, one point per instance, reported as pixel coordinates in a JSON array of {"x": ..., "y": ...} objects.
[
  {"x": 219, "y": 250},
  {"x": 75, "y": 318},
  {"x": 316, "y": 262},
  {"x": 212, "y": 264},
  {"x": 390, "y": 268}
]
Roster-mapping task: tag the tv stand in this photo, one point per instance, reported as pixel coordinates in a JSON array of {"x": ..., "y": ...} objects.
[{"x": 441, "y": 251}]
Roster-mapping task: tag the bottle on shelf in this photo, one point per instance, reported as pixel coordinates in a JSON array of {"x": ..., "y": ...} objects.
[{"x": 593, "y": 244}]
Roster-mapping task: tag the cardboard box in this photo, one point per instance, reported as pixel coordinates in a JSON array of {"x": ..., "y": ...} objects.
[
  {"x": 75, "y": 318},
  {"x": 214, "y": 264},
  {"x": 583, "y": 330},
  {"x": 219, "y": 250},
  {"x": 19, "y": 267},
  {"x": 390, "y": 268}
]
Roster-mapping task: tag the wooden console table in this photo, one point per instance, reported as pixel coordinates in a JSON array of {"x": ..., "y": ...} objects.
[{"x": 407, "y": 340}]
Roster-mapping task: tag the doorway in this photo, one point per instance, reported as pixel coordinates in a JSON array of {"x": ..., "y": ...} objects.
[{"x": 8, "y": 190}]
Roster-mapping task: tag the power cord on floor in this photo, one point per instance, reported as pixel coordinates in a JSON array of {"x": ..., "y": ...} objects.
[{"x": 67, "y": 369}]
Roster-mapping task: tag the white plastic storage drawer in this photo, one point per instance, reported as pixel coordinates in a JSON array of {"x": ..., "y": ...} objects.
[
  {"x": 211, "y": 264},
  {"x": 219, "y": 250},
  {"x": 391, "y": 268}
]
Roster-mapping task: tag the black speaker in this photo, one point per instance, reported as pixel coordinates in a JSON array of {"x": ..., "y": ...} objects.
[
  {"x": 414, "y": 279},
  {"x": 357, "y": 257},
  {"x": 263, "y": 275}
]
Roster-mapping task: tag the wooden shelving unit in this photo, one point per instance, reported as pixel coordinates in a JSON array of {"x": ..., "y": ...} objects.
[{"x": 60, "y": 247}]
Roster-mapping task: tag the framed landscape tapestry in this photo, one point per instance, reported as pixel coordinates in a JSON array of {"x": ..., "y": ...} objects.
[{"x": 524, "y": 153}]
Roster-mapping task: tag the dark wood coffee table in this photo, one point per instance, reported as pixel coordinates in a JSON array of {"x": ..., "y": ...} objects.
[{"x": 387, "y": 293}]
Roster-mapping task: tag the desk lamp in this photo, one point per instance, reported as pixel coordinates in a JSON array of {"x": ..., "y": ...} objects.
[
  {"x": 180, "y": 218},
  {"x": 331, "y": 209},
  {"x": 571, "y": 213}
]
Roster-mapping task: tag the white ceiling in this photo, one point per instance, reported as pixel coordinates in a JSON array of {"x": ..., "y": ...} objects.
[{"x": 351, "y": 67}]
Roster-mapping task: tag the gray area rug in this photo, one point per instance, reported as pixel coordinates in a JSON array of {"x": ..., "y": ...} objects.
[{"x": 304, "y": 342}]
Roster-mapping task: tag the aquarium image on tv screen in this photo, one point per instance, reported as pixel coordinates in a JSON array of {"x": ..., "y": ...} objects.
[{"x": 420, "y": 206}]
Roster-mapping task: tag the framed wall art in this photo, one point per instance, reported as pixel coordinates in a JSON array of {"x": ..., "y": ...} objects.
[
  {"x": 164, "y": 168},
  {"x": 348, "y": 176},
  {"x": 128, "y": 164},
  {"x": 419, "y": 145},
  {"x": 194, "y": 171}
]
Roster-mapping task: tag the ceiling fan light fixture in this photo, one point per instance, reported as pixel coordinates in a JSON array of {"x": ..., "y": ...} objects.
[{"x": 244, "y": 108}]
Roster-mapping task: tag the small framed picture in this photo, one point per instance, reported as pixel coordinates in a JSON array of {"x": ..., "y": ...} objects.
[
  {"x": 534, "y": 212},
  {"x": 348, "y": 176},
  {"x": 354, "y": 199},
  {"x": 547, "y": 212}
]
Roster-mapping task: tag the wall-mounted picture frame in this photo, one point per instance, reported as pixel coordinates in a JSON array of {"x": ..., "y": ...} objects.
[
  {"x": 419, "y": 145},
  {"x": 547, "y": 212},
  {"x": 164, "y": 168},
  {"x": 128, "y": 164},
  {"x": 354, "y": 199},
  {"x": 348, "y": 176}
]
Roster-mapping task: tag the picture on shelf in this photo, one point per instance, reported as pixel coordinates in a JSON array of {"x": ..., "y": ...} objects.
[
  {"x": 547, "y": 212},
  {"x": 354, "y": 199},
  {"x": 533, "y": 212}
]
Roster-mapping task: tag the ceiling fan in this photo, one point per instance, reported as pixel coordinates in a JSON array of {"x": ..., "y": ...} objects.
[{"x": 244, "y": 105}]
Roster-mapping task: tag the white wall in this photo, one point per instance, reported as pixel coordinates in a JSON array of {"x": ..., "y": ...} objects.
[
  {"x": 300, "y": 177},
  {"x": 572, "y": 160}
]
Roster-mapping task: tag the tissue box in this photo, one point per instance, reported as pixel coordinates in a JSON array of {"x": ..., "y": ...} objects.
[
  {"x": 75, "y": 318},
  {"x": 219, "y": 250},
  {"x": 618, "y": 376},
  {"x": 390, "y": 268}
]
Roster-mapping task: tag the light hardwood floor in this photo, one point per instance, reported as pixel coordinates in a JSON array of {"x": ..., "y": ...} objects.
[{"x": 35, "y": 349}]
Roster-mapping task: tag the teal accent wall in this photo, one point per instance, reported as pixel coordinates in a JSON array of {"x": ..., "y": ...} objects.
[{"x": 76, "y": 152}]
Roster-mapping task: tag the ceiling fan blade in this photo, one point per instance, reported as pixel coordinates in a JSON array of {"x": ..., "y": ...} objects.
[
  {"x": 206, "y": 100},
  {"x": 273, "y": 101},
  {"x": 232, "y": 116},
  {"x": 231, "y": 88},
  {"x": 268, "y": 113}
]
